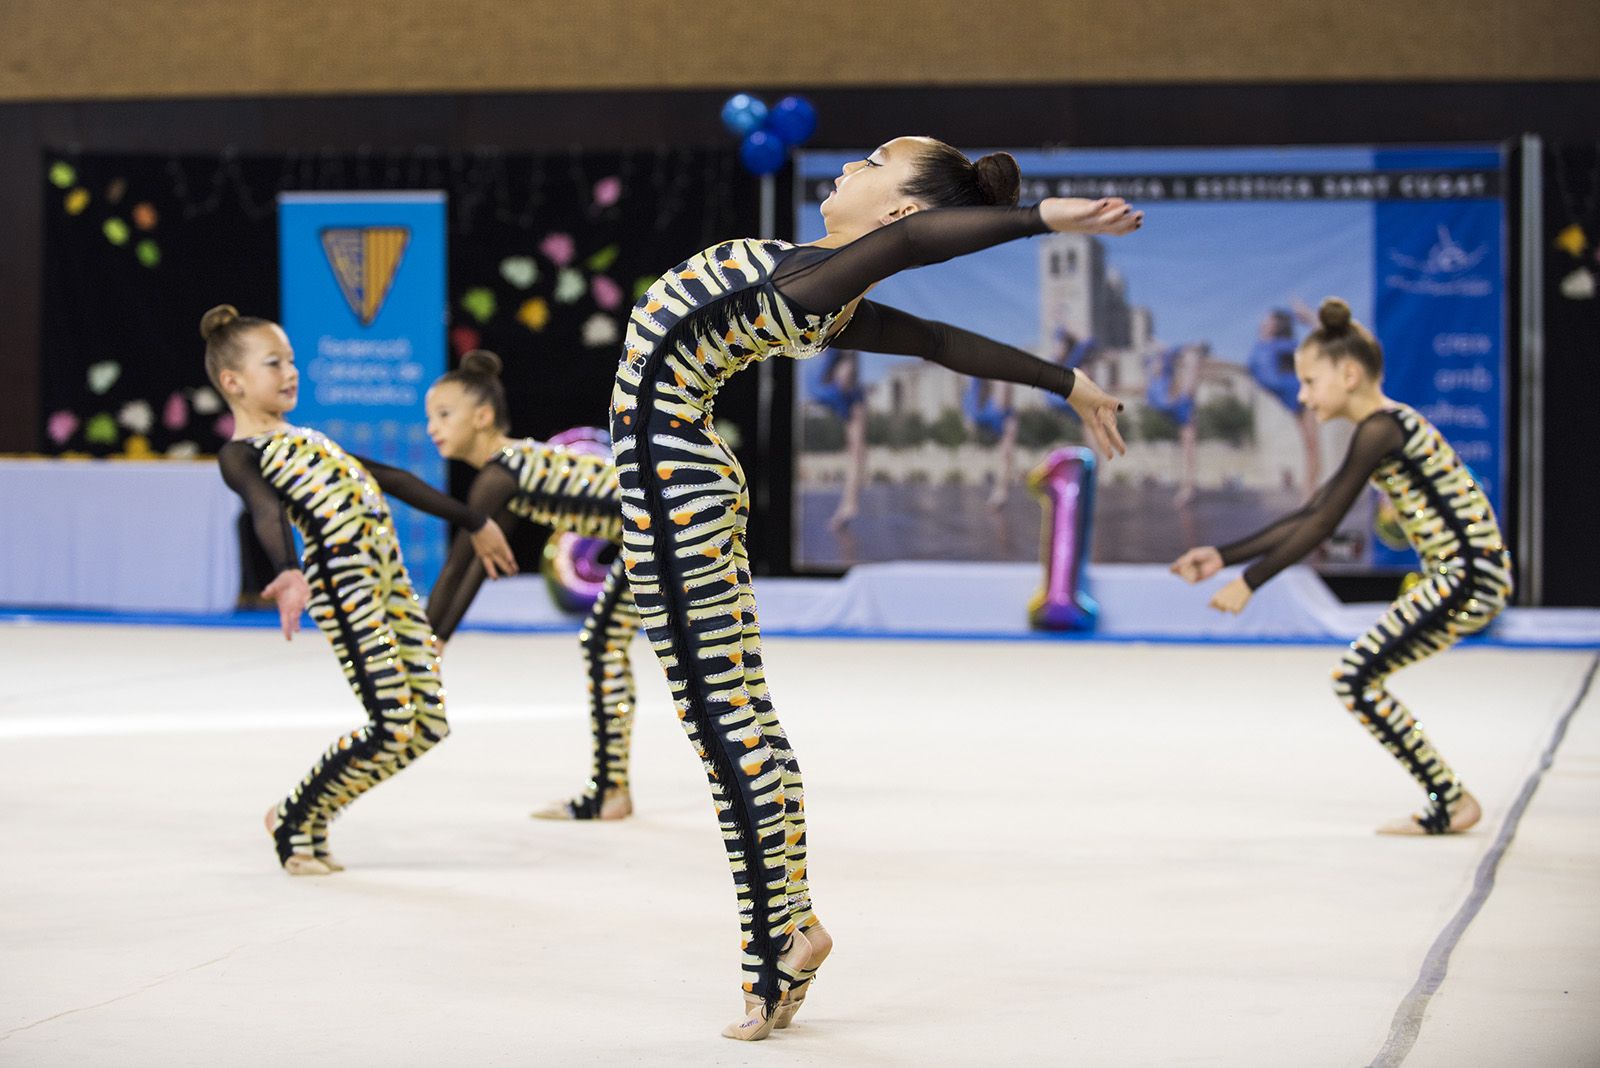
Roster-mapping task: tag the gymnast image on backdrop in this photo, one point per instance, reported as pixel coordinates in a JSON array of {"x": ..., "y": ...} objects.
[
  {"x": 913, "y": 201},
  {"x": 350, "y": 574},
  {"x": 1447, "y": 519},
  {"x": 567, "y": 491}
]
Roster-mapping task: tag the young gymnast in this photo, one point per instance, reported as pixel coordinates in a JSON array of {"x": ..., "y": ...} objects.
[
  {"x": 1447, "y": 519},
  {"x": 566, "y": 491},
  {"x": 351, "y": 575},
  {"x": 913, "y": 201}
]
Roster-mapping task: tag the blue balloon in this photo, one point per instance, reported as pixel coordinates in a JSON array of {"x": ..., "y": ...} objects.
[
  {"x": 762, "y": 153},
  {"x": 743, "y": 113},
  {"x": 792, "y": 120}
]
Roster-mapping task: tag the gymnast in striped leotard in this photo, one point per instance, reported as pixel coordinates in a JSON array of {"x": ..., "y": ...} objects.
[
  {"x": 351, "y": 574},
  {"x": 912, "y": 201},
  {"x": 1447, "y": 519},
  {"x": 565, "y": 490}
]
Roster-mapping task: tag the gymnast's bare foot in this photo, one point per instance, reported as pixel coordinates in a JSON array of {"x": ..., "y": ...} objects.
[
  {"x": 616, "y": 804},
  {"x": 299, "y": 864},
  {"x": 758, "y": 1023},
  {"x": 1464, "y": 813}
]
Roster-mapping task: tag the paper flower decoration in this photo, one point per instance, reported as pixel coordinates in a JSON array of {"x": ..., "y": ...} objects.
[
  {"x": 606, "y": 293},
  {"x": 479, "y": 303},
  {"x": 206, "y": 401},
  {"x": 570, "y": 286},
  {"x": 534, "y": 314},
  {"x": 175, "y": 413},
  {"x": 599, "y": 330},
  {"x": 520, "y": 271},
  {"x": 103, "y": 375},
  {"x": 603, "y": 259},
  {"x": 61, "y": 426},
  {"x": 137, "y": 416},
  {"x": 558, "y": 248},
  {"x": 101, "y": 430}
]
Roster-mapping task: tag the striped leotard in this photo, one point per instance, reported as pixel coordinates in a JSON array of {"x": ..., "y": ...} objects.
[
  {"x": 570, "y": 492},
  {"x": 361, "y": 598},
  {"x": 685, "y": 507},
  {"x": 1466, "y": 577}
]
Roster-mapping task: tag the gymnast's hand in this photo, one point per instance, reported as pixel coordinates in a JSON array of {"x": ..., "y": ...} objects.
[
  {"x": 1198, "y": 564},
  {"x": 1111, "y": 216},
  {"x": 292, "y": 593},
  {"x": 489, "y": 542},
  {"x": 1098, "y": 410},
  {"x": 1232, "y": 598}
]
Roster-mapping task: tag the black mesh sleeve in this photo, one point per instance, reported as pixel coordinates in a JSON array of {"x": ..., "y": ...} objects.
[
  {"x": 404, "y": 486},
  {"x": 822, "y": 280},
  {"x": 463, "y": 572},
  {"x": 1289, "y": 539},
  {"x": 241, "y": 470},
  {"x": 879, "y": 328}
]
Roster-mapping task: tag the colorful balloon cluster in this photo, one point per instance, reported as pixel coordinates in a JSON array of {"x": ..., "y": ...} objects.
[
  {"x": 573, "y": 568},
  {"x": 768, "y": 133},
  {"x": 1064, "y": 484}
]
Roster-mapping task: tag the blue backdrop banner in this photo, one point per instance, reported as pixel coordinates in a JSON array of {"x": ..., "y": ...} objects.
[
  {"x": 1193, "y": 323},
  {"x": 364, "y": 305}
]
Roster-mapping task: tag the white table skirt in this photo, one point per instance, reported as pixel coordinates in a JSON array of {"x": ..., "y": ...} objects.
[{"x": 128, "y": 535}]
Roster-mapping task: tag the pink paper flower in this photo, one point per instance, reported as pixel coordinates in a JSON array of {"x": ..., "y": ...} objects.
[
  {"x": 175, "y": 413},
  {"x": 61, "y": 426},
  {"x": 559, "y": 248},
  {"x": 606, "y": 293},
  {"x": 607, "y": 191},
  {"x": 224, "y": 425}
]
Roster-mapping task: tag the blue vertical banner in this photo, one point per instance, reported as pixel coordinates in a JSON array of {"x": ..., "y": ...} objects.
[
  {"x": 364, "y": 305},
  {"x": 1440, "y": 303}
]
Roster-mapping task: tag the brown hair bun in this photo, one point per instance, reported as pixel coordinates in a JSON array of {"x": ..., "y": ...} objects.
[
  {"x": 1334, "y": 315},
  {"x": 216, "y": 319},
  {"x": 999, "y": 178},
  {"x": 482, "y": 362}
]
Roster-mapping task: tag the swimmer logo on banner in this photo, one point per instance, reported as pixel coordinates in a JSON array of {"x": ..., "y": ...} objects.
[{"x": 364, "y": 305}]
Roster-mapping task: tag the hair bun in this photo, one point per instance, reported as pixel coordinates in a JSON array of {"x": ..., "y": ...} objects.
[
  {"x": 481, "y": 362},
  {"x": 216, "y": 319},
  {"x": 1334, "y": 315},
  {"x": 999, "y": 178}
]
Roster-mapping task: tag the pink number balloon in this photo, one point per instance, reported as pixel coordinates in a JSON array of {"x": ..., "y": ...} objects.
[{"x": 1064, "y": 484}]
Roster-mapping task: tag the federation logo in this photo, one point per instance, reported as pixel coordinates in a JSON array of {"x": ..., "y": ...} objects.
[
  {"x": 1447, "y": 256},
  {"x": 1446, "y": 271},
  {"x": 365, "y": 260}
]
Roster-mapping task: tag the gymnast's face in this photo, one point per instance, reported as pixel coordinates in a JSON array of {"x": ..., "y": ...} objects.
[
  {"x": 455, "y": 419},
  {"x": 263, "y": 376},
  {"x": 868, "y": 193},
  {"x": 1325, "y": 385}
]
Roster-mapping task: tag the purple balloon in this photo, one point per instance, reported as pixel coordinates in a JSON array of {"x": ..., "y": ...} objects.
[
  {"x": 742, "y": 113},
  {"x": 762, "y": 153},
  {"x": 792, "y": 120}
]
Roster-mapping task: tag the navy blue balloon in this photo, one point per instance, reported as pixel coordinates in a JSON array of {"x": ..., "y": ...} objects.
[
  {"x": 792, "y": 120},
  {"x": 762, "y": 153},
  {"x": 742, "y": 113}
]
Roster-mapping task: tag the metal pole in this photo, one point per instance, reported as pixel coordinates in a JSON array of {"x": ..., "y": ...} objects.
[
  {"x": 765, "y": 383},
  {"x": 1530, "y": 451}
]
